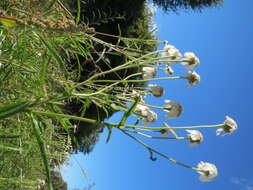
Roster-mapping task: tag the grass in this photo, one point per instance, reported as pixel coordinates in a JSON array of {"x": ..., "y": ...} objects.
[{"x": 37, "y": 45}]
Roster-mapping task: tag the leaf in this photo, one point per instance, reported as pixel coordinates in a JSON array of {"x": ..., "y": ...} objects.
[
  {"x": 8, "y": 21},
  {"x": 41, "y": 144},
  {"x": 129, "y": 112},
  {"x": 170, "y": 129},
  {"x": 53, "y": 52},
  {"x": 78, "y": 11},
  {"x": 12, "y": 109},
  {"x": 109, "y": 134},
  {"x": 10, "y": 148},
  {"x": 153, "y": 42}
]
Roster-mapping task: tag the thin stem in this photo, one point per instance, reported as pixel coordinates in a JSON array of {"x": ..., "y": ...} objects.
[
  {"x": 153, "y": 137},
  {"x": 143, "y": 80},
  {"x": 169, "y": 60},
  {"x": 186, "y": 127},
  {"x": 161, "y": 154},
  {"x": 52, "y": 114},
  {"x": 114, "y": 69},
  {"x": 148, "y": 105},
  {"x": 107, "y": 87},
  {"x": 199, "y": 127},
  {"x": 124, "y": 38}
]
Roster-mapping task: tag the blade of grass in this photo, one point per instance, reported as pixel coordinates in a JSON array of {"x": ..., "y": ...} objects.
[
  {"x": 10, "y": 148},
  {"x": 53, "y": 52},
  {"x": 109, "y": 134},
  {"x": 12, "y": 109},
  {"x": 124, "y": 118},
  {"x": 41, "y": 144},
  {"x": 170, "y": 129},
  {"x": 129, "y": 112},
  {"x": 78, "y": 11}
]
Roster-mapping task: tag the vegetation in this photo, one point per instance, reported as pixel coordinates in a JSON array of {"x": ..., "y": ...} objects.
[{"x": 44, "y": 55}]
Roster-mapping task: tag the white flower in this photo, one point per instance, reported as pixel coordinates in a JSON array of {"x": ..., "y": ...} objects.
[
  {"x": 193, "y": 78},
  {"x": 209, "y": 171},
  {"x": 171, "y": 52},
  {"x": 151, "y": 117},
  {"x": 191, "y": 60},
  {"x": 145, "y": 114},
  {"x": 169, "y": 69},
  {"x": 196, "y": 137},
  {"x": 148, "y": 72},
  {"x": 156, "y": 90},
  {"x": 174, "y": 109},
  {"x": 229, "y": 127}
]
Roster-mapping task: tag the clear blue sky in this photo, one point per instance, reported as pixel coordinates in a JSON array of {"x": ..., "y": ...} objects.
[{"x": 222, "y": 39}]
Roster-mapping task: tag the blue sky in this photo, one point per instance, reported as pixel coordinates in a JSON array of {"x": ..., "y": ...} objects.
[{"x": 222, "y": 39}]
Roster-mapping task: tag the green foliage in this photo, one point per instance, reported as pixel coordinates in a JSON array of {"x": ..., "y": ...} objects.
[
  {"x": 124, "y": 24},
  {"x": 48, "y": 61}
]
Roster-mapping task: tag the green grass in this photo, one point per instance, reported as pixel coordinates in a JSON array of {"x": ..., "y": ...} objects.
[{"x": 36, "y": 45}]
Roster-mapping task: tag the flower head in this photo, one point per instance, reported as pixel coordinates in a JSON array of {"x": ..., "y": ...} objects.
[
  {"x": 173, "y": 109},
  {"x": 145, "y": 114},
  {"x": 148, "y": 72},
  {"x": 209, "y": 171},
  {"x": 171, "y": 52},
  {"x": 193, "y": 78},
  {"x": 191, "y": 60},
  {"x": 196, "y": 137},
  {"x": 156, "y": 90},
  {"x": 229, "y": 127}
]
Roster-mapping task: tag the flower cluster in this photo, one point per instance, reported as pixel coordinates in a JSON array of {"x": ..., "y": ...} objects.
[{"x": 170, "y": 55}]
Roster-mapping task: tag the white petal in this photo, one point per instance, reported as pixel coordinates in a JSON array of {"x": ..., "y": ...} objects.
[{"x": 219, "y": 131}]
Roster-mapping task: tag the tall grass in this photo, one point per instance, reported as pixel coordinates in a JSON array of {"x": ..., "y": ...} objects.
[{"x": 38, "y": 41}]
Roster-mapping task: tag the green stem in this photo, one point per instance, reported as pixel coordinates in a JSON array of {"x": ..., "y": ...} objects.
[
  {"x": 124, "y": 38},
  {"x": 148, "y": 105},
  {"x": 185, "y": 127},
  {"x": 52, "y": 114},
  {"x": 160, "y": 154},
  {"x": 144, "y": 80},
  {"x": 153, "y": 137},
  {"x": 106, "y": 88},
  {"x": 114, "y": 69}
]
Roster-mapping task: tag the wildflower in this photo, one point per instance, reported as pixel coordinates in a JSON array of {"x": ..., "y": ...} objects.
[
  {"x": 148, "y": 72},
  {"x": 145, "y": 114},
  {"x": 174, "y": 109},
  {"x": 196, "y": 137},
  {"x": 209, "y": 171},
  {"x": 169, "y": 69},
  {"x": 229, "y": 127},
  {"x": 156, "y": 90},
  {"x": 193, "y": 78},
  {"x": 151, "y": 117},
  {"x": 171, "y": 52},
  {"x": 191, "y": 60}
]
